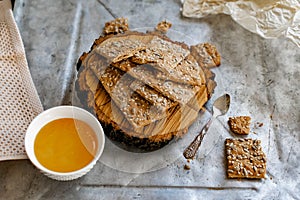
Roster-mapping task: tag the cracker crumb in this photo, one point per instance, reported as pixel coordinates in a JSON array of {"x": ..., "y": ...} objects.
[
  {"x": 187, "y": 167},
  {"x": 240, "y": 124},
  {"x": 119, "y": 25},
  {"x": 163, "y": 26}
]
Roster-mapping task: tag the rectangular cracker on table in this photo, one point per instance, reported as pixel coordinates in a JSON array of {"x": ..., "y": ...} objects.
[{"x": 245, "y": 159}]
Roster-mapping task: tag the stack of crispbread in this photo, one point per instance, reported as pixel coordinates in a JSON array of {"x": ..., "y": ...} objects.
[{"x": 145, "y": 88}]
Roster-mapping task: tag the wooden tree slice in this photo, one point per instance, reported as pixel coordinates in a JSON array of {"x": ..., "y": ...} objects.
[{"x": 145, "y": 88}]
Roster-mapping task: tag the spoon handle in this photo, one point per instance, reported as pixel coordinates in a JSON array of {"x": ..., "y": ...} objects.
[{"x": 191, "y": 150}]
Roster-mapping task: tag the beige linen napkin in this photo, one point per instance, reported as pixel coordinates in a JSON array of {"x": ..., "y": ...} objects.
[{"x": 19, "y": 101}]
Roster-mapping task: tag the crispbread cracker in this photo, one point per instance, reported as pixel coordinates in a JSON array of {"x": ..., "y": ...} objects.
[
  {"x": 152, "y": 95},
  {"x": 172, "y": 59},
  {"x": 240, "y": 124},
  {"x": 164, "y": 54},
  {"x": 180, "y": 93},
  {"x": 245, "y": 159},
  {"x": 117, "y": 48},
  {"x": 206, "y": 55},
  {"x": 137, "y": 110}
]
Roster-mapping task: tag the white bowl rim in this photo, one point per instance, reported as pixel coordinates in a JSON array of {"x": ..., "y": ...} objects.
[{"x": 63, "y": 174}]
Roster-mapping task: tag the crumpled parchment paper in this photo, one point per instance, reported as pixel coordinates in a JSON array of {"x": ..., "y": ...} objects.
[{"x": 268, "y": 18}]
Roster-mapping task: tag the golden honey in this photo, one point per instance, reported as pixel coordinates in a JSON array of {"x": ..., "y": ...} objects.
[{"x": 65, "y": 145}]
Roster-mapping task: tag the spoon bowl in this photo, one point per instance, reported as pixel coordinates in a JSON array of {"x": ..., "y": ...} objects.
[{"x": 221, "y": 105}]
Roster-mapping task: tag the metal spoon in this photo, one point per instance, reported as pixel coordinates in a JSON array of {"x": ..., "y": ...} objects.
[{"x": 220, "y": 107}]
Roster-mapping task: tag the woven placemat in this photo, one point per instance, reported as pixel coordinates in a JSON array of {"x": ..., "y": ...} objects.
[{"x": 19, "y": 101}]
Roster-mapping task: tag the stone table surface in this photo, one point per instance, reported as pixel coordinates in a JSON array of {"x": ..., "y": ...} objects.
[{"x": 262, "y": 76}]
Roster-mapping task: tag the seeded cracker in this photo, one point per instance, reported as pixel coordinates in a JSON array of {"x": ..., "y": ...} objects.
[
  {"x": 245, "y": 159},
  {"x": 240, "y": 125}
]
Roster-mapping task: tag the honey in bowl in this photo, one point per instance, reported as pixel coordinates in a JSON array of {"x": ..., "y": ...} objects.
[{"x": 65, "y": 145}]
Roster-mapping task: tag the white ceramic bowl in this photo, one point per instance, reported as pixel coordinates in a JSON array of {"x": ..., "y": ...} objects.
[{"x": 57, "y": 113}]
